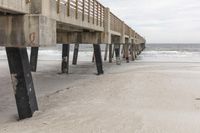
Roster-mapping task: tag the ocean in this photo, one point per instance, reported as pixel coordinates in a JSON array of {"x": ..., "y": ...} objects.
[
  {"x": 152, "y": 53},
  {"x": 171, "y": 53}
]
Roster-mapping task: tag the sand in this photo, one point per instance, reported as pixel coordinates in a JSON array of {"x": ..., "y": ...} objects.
[{"x": 139, "y": 97}]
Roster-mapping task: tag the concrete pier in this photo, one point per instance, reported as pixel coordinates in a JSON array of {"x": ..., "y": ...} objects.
[{"x": 43, "y": 23}]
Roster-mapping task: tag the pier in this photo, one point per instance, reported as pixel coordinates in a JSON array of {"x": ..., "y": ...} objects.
[{"x": 44, "y": 23}]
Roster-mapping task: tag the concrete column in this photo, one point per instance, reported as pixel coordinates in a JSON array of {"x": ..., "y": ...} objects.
[
  {"x": 123, "y": 50},
  {"x": 117, "y": 53},
  {"x": 110, "y": 53},
  {"x": 93, "y": 57},
  {"x": 34, "y": 58},
  {"x": 98, "y": 58},
  {"x": 127, "y": 52},
  {"x": 113, "y": 51},
  {"x": 65, "y": 58},
  {"x": 75, "y": 56},
  {"x": 106, "y": 52},
  {"x": 22, "y": 81},
  {"x": 132, "y": 52}
]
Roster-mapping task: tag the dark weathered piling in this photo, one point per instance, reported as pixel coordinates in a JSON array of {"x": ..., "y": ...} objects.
[
  {"x": 65, "y": 58},
  {"x": 132, "y": 52},
  {"x": 98, "y": 58},
  {"x": 117, "y": 53},
  {"x": 34, "y": 58},
  {"x": 106, "y": 53},
  {"x": 75, "y": 56},
  {"x": 22, "y": 81},
  {"x": 126, "y": 47},
  {"x": 110, "y": 53}
]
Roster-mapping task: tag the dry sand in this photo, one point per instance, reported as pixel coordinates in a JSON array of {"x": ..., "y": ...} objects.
[{"x": 139, "y": 97}]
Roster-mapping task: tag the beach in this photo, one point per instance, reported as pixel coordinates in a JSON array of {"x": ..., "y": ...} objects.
[{"x": 149, "y": 95}]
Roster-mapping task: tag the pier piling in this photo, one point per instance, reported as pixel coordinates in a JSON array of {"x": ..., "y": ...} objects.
[
  {"x": 22, "y": 81},
  {"x": 98, "y": 59},
  {"x": 110, "y": 53},
  {"x": 75, "y": 56},
  {"x": 106, "y": 52},
  {"x": 34, "y": 58},
  {"x": 65, "y": 58},
  {"x": 117, "y": 53}
]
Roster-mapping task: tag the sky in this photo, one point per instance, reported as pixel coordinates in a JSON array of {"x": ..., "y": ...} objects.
[{"x": 160, "y": 21}]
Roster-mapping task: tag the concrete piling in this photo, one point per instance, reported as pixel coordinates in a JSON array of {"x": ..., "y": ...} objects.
[
  {"x": 34, "y": 58},
  {"x": 117, "y": 53},
  {"x": 22, "y": 81},
  {"x": 98, "y": 59},
  {"x": 106, "y": 52},
  {"x": 65, "y": 58},
  {"x": 110, "y": 53},
  {"x": 75, "y": 56}
]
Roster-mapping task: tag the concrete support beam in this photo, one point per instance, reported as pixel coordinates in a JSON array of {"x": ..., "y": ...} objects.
[
  {"x": 65, "y": 58},
  {"x": 80, "y": 37},
  {"x": 34, "y": 58},
  {"x": 27, "y": 30},
  {"x": 98, "y": 58},
  {"x": 14, "y": 6},
  {"x": 22, "y": 82}
]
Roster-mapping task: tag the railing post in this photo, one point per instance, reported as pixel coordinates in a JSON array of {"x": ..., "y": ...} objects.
[
  {"x": 97, "y": 13},
  {"x": 93, "y": 11},
  {"x": 101, "y": 15},
  {"x": 76, "y": 9},
  {"x": 83, "y": 8},
  {"x": 58, "y": 6},
  {"x": 68, "y": 8},
  {"x": 88, "y": 11}
]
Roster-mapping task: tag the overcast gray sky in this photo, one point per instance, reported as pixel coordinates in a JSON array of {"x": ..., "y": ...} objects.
[{"x": 160, "y": 21}]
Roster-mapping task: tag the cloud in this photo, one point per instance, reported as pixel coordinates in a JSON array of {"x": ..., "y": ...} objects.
[{"x": 168, "y": 21}]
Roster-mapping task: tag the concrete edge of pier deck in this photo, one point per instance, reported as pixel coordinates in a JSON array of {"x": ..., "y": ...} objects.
[
  {"x": 15, "y": 7},
  {"x": 27, "y": 30}
]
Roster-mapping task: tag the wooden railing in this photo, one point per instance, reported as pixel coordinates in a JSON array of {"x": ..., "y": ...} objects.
[
  {"x": 91, "y": 11},
  {"x": 88, "y": 10},
  {"x": 115, "y": 23}
]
